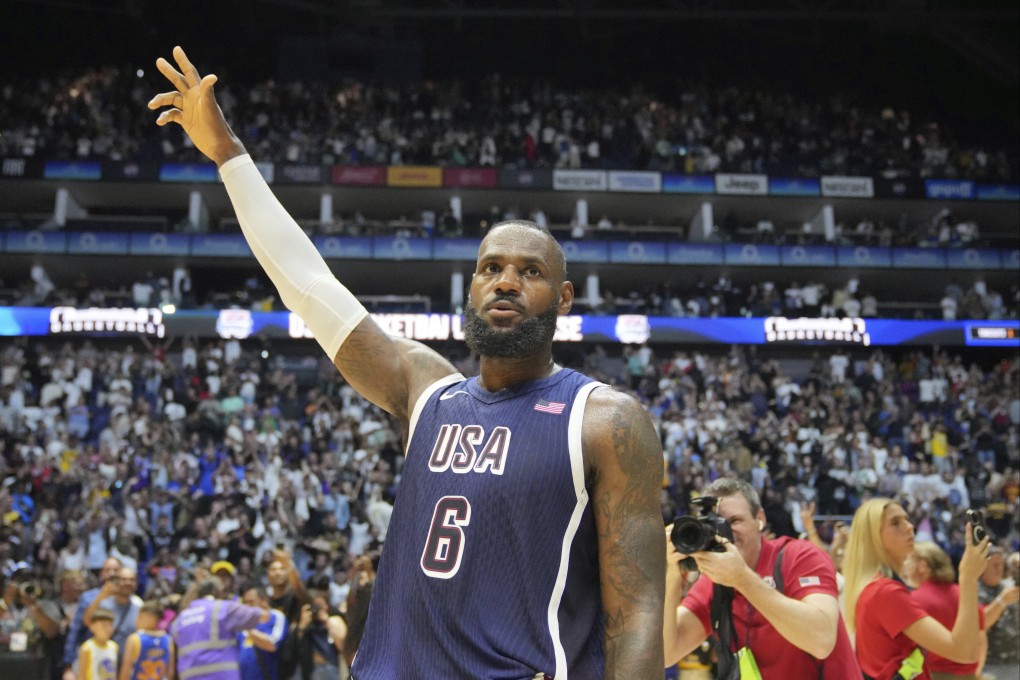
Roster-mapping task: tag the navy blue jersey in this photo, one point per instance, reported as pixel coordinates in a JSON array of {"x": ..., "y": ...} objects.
[{"x": 490, "y": 566}]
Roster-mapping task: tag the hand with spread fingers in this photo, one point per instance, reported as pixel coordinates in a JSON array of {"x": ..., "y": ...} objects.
[{"x": 193, "y": 106}]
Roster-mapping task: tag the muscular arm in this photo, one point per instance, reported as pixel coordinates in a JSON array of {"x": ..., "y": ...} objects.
[
  {"x": 621, "y": 446},
  {"x": 388, "y": 372}
]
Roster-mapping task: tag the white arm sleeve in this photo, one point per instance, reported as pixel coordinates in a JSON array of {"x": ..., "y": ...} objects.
[{"x": 304, "y": 281}]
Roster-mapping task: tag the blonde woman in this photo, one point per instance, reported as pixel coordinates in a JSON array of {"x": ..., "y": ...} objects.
[
  {"x": 930, "y": 572},
  {"x": 891, "y": 629}
]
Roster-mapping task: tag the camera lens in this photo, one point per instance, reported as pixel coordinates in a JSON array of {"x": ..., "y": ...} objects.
[{"x": 690, "y": 535}]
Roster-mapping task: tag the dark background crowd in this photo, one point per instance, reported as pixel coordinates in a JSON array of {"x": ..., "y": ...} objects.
[{"x": 501, "y": 121}]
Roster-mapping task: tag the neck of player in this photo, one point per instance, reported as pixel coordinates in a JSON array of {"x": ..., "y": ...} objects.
[{"x": 495, "y": 374}]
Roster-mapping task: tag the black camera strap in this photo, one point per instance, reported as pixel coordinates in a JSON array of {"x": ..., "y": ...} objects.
[
  {"x": 725, "y": 632},
  {"x": 722, "y": 625}
]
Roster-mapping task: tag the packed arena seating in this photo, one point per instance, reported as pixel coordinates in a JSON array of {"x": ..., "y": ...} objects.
[
  {"x": 967, "y": 297},
  {"x": 500, "y": 122},
  {"x": 224, "y": 450},
  {"x": 176, "y": 454}
]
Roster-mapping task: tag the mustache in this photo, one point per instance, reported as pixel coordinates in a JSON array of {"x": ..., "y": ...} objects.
[{"x": 508, "y": 299}]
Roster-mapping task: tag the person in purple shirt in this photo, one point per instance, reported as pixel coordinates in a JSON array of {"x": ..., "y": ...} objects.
[{"x": 206, "y": 634}]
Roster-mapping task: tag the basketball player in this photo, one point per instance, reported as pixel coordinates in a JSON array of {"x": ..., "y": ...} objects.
[{"x": 526, "y": 540}]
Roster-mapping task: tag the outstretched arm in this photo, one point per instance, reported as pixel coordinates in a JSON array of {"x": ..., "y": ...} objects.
[
  {"x": 388, "y": 372},
  {"x": 621, "y": 445}
]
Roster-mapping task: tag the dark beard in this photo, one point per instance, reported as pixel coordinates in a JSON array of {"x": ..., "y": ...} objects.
[{"x": 529, "y": 338}]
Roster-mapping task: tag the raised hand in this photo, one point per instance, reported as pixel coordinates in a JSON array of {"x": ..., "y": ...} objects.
[
  {"x": 975, "y": 557},
  {"x": 193, "y": 106}
]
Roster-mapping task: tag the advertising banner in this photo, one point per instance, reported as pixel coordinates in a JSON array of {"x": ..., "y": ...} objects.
[
  {"x": 898, "y": 188},
  {"x": 688, "y": 184},
  {"x": 457, "y": 249},
  {"x": 579, "y": 180},
  {"x": 847, "y": 187},
  {"x": 863, "y": 256},
  {"x": 358, "y": 175},
  {"x": 418, "y": 176},
  {"x": 637, "y": 252},
  {"x": 973, "y": 258},
  {"x": 400, "y": 248},
  {"x": 949, "y": 189},
  {"x": 918, "y": 258},
  {"x": 783, "y": 186},
  {"x": 480, "y": 178},
  {"x": 992, "y": 333},
  {"x": 1011, "y": 259},
  {"x": 540, "y": 178},
  {"x": 219, "y": 245},
  {"x": 291, "y": 173},
  {"x": 998, "y": 192},
  {"x": 344, "y": 247},
  {"x": 97, "y": 243},
  {"x": 742, "y": 185},
  {"x": 28, "y": 168},
  {"x": 586, "y": 251},
  {"x": 808, "y": 256},
  {"x": 751, "y": 255},
  {"x": 159, "y": 244},
  {"x": 625, "y": 328},
  {"x": 188, "y": 172},
  {"x": 117, "y": 171},
  {"x": 638, "y": 182},
  {"x": 73, "y": 170},
  {"x": 691, "y": 253},
  {"x": 35, "y": 242}
]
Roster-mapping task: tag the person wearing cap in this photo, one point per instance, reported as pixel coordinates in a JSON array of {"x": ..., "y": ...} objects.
[
  {"x": 205, "y": 634},
  {"x": 225, "y": 572},
  {"x": 97, "y": 656}
]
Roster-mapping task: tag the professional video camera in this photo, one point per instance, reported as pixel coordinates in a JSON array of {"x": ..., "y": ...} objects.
[{"x": 693, "y": 534}]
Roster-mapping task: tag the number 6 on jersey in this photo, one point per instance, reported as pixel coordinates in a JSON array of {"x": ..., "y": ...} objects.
[{"x": 445, "y": 545}]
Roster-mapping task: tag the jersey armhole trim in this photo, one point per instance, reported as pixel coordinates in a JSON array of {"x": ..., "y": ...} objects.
[{"x": 420, "y": 404}]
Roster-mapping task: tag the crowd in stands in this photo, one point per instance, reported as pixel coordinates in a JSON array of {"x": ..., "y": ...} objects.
[
  {"x": 502, "y": 122},
  {"x": 804, "y": 296},
  {"x": 173, "y": 459}
]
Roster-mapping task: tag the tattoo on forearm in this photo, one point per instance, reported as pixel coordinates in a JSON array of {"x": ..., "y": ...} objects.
[{"x": 634, "y": 572}]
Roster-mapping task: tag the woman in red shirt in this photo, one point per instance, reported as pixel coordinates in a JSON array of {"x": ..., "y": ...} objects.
[
  {"x": 929, "y": 570},
  {"x": 891, "y": 627}
]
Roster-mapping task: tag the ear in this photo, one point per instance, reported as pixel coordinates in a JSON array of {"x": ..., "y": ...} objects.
[{"x": 566, "y": 298}]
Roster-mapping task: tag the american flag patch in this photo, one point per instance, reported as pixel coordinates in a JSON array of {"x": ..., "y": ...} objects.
[
  {"x": 810, "y": 581},
  {"x": 550, "y": 406}
]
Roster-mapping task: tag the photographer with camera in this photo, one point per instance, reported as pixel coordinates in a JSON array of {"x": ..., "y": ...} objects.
[
  {"x": 26, "y": 619},
  {"x": 770, "y": 603}
]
